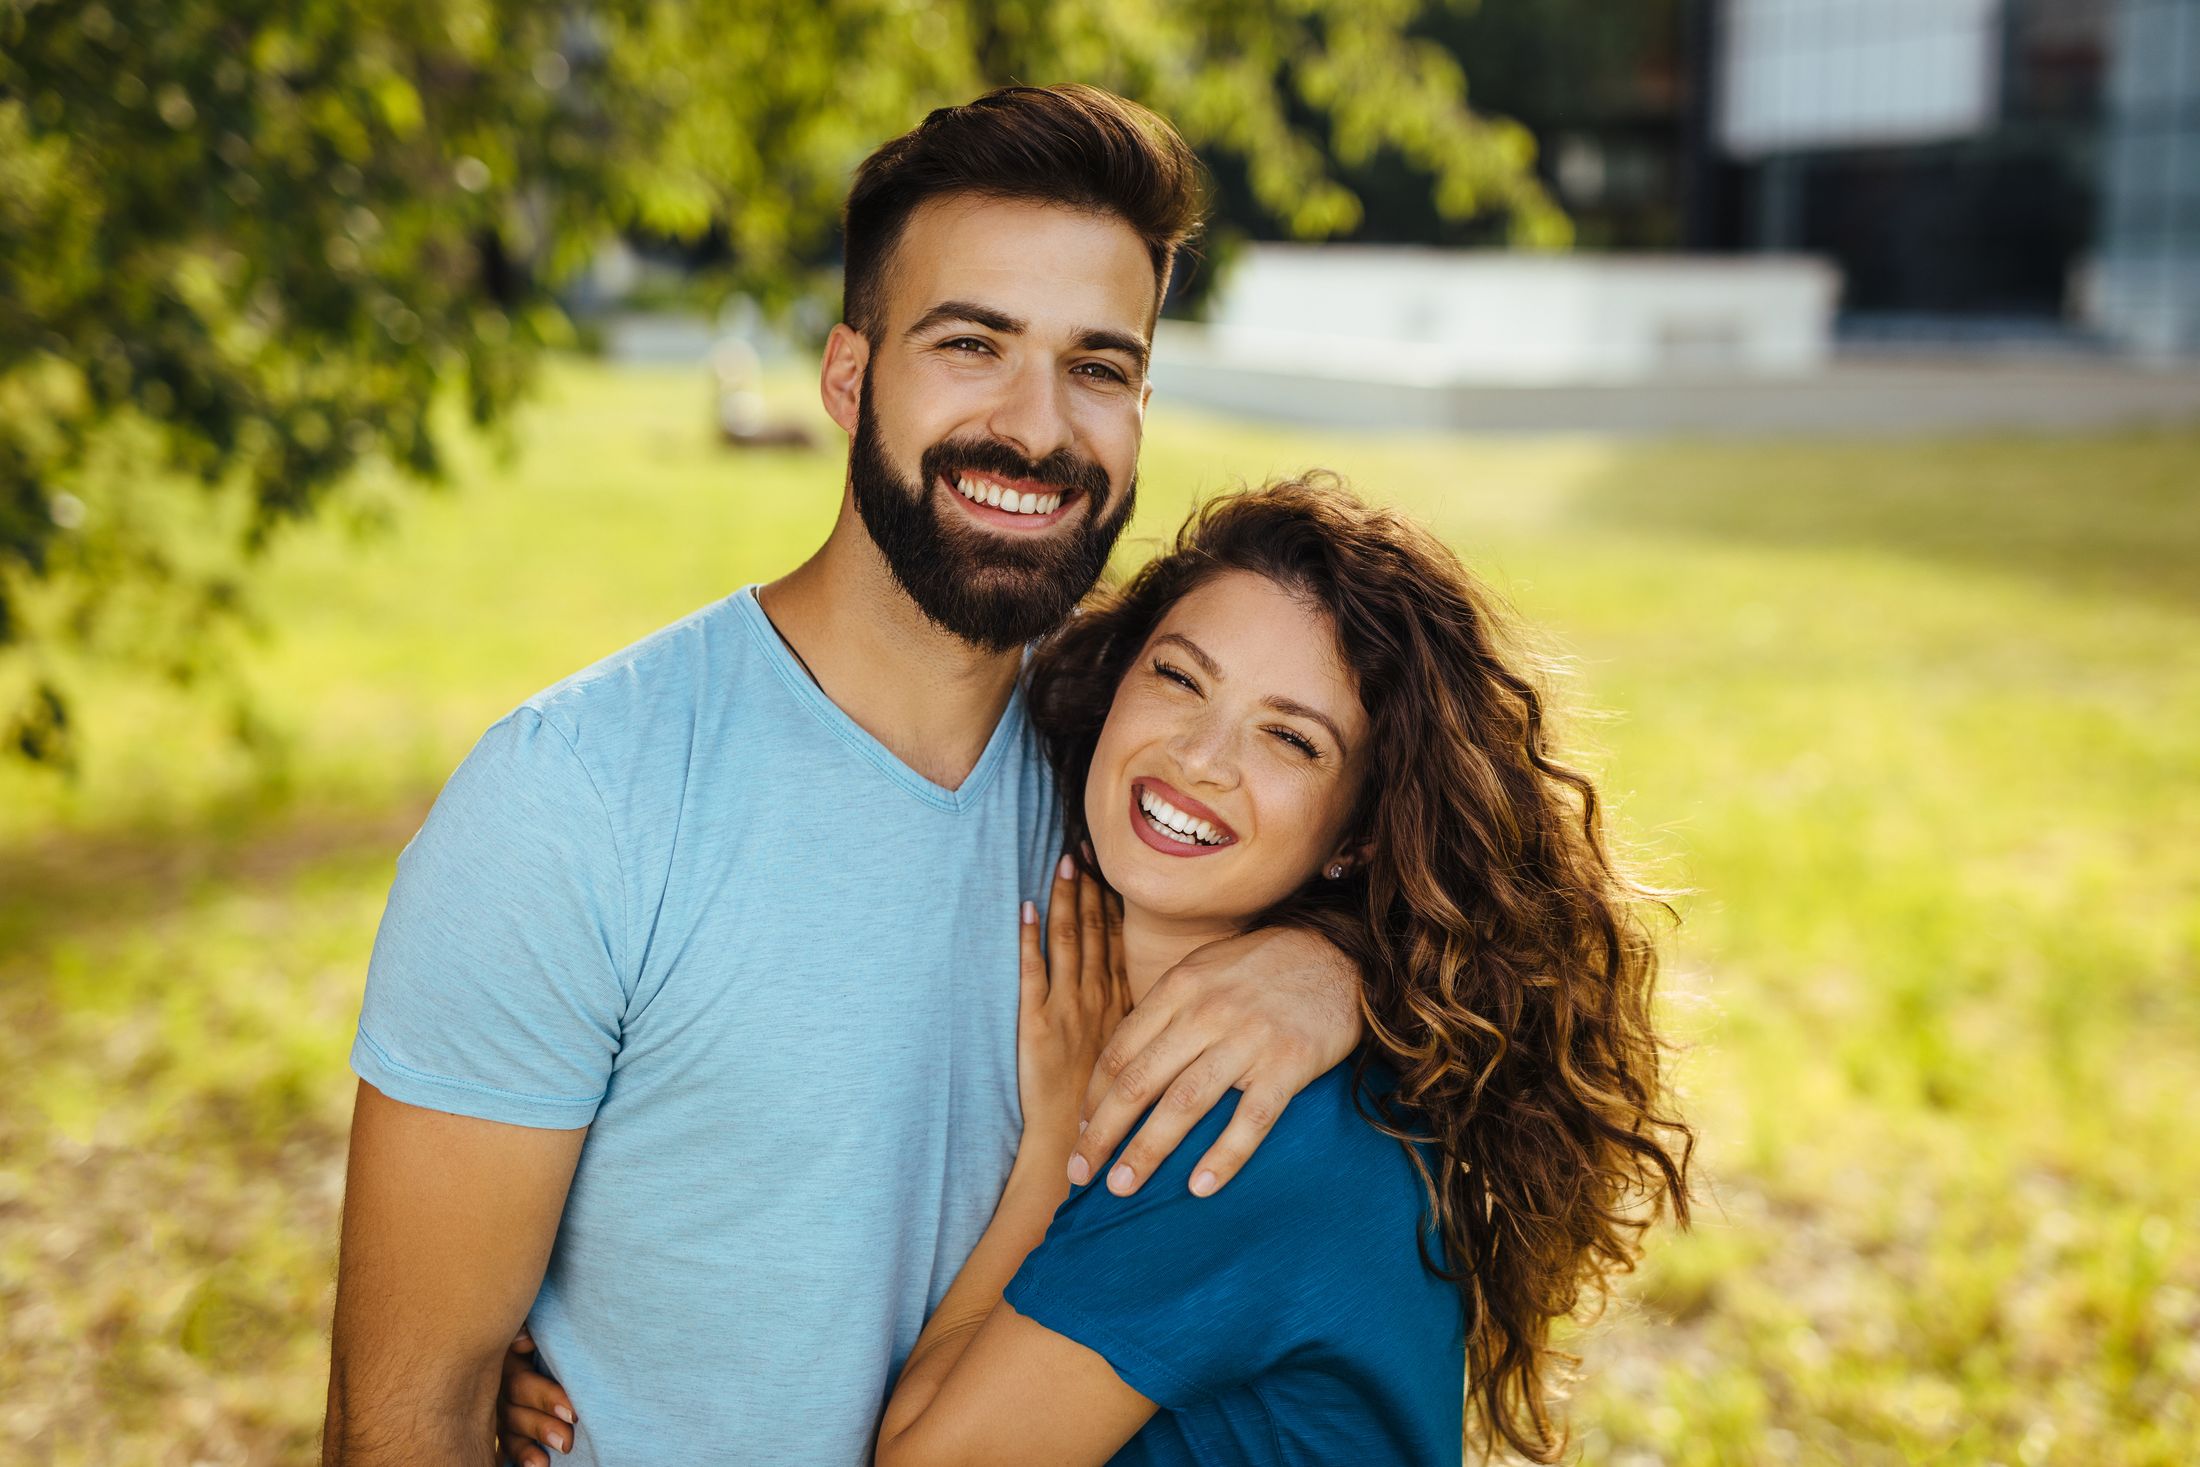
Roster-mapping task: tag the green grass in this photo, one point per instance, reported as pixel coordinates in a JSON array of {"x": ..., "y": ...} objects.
[{"x": 1918, "y": 724}]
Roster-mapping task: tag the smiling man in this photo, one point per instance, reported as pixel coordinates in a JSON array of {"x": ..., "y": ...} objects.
[{"x": 690, "y": 1033}]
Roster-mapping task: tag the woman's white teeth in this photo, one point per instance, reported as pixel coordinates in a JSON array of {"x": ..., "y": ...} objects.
[
  {"x": 985, "y": 491},
  {"x": 1172, "y": 821}
]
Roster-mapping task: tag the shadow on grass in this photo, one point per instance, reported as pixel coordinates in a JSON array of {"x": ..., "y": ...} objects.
[
  {"x": 2113, "y": 515},
  {"x": 108, "y": 883}
]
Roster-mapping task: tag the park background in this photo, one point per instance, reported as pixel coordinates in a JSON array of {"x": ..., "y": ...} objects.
[{"x": 1908, "y": 701}]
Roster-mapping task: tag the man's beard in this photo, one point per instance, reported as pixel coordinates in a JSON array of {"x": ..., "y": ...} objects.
[{"x": 993, "y": 591}]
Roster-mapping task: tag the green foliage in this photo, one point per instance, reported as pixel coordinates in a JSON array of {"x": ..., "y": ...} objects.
[{"x": 248, "y": 244}]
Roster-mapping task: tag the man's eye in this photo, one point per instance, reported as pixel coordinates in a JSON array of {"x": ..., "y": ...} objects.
[
  {"x": 965, "y": 344},
  {"x": 1100, "y": 372}
]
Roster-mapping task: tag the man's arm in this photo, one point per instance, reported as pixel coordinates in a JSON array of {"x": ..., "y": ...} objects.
[
  {"x": 1266, "y": 1013},
  {"x": 448, "y": 1223}
]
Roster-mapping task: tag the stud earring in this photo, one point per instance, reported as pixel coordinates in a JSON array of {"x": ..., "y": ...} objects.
[{"x": 1336, "y": 870}]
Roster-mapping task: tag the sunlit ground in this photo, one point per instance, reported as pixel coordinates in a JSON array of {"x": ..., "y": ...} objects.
[{"x": 1918, "y": 724}]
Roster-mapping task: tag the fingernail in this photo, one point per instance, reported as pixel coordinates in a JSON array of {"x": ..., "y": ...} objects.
[
  {"x": 565, "y": 1413},
  {"x": 1081, "y": 1127},
  {"x": 1119, "y": 1181},
  {"x": 1080, "y": 1172},
  {"x": 1067, "y": 869},
  {"x": 1031, "y": 913},
  {"x": 1086, "y": 847},
  {"x": 555, "y": 1438},
  {"x": 1203, "y": 1183}
]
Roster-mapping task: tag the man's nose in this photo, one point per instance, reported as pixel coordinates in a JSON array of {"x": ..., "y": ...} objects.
[{"x": 1030, "y": 412}]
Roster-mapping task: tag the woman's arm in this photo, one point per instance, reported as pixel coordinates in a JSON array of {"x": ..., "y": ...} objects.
[{"x": 983, "y": 1384}]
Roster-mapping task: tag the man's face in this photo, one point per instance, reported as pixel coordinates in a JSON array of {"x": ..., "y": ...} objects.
[{"x": 996, "y": 448}]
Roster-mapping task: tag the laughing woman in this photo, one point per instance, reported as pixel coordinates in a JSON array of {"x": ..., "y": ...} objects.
[{"x": 1302, "y": 714}]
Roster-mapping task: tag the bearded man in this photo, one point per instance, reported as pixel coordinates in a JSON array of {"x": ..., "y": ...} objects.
[{"x": 689, "y": 1038}]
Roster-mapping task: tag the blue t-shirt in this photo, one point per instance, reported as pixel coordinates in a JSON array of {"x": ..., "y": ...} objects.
[
  {"x": 1286, "y": 1319},
  {"x": 681, "y": 899}
]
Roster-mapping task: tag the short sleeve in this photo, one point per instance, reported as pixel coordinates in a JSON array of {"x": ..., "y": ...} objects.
[
  {"x": 495, "y": 987},
  {"x": 1186, "y": 1297}
]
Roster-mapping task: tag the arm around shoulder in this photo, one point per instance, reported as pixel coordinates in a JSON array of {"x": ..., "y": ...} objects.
[{"x": 448, "y": 1224}]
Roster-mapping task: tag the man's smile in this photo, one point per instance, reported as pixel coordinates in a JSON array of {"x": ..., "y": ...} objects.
[{"x": 1021, "y": 504}]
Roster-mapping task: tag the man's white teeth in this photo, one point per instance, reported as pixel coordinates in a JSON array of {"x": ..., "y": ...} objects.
[
  {"x": 1172, "y": 821},
  {"x": 985, "y": 491}
]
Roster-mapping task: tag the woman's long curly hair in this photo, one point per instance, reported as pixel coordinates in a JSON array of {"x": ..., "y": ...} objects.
[{"x": 1507, "y": 963}]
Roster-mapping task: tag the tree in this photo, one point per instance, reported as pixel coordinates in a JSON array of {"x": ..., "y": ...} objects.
[{"x": 250, "y": 244}]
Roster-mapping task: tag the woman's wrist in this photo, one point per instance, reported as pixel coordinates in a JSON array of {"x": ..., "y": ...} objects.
[{"x": 1042, "y": 1159}]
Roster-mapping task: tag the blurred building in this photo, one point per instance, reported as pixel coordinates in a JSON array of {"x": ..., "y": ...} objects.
[
  {"x": 2146, "y": 278},
  {"x": 1980, "y": 170}
]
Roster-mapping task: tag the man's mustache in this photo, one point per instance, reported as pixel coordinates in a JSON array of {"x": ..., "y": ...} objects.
[{"x": 954, "y": 457}]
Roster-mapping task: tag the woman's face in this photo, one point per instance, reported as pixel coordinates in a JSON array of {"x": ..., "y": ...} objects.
[{"x": 1231, "y": 755}]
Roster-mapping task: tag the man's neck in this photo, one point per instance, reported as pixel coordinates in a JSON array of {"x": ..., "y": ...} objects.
[{"x": 931, "y": 698}]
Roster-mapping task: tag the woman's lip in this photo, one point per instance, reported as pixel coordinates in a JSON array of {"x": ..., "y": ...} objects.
[
  {"x": 1143, "y": 828},
  {"x": 1164, "y": 844},
  {"x": 1184, "y": 802}
]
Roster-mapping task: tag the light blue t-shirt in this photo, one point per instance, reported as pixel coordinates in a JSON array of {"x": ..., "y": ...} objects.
[{"x": 682, "y": 899}]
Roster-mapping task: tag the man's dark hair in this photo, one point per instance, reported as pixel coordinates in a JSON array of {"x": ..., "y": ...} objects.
[{"x": 1076, "y": 146}]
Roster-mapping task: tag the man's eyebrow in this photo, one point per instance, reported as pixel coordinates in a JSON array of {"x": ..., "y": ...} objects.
[
  {"x": 970, "y": 311},
  {"x": 1100, "y": 339},
  {"x": 1092, "y": 338}
]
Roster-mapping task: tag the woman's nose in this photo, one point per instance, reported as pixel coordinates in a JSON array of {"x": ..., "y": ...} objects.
[{"x": 1206, "y": 750}]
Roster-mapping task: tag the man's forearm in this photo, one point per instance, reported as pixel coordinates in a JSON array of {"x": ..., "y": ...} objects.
[{"x": 407, "y": 1422}]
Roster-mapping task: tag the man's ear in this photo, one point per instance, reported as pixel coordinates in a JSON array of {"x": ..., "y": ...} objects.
[{"x": 840, "y": 379}]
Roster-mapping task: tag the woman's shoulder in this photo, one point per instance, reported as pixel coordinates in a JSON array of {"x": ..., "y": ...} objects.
[
  {"x": 1329, "y": 1130},
  {"x": 1308, "y": 1252},
  {"x": 1323, "y": 1159}
]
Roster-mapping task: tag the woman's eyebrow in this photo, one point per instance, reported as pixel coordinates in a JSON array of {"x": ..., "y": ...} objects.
[
  {"x": 1290, "y": 706},
  {"x": 1299, "y": 710},
  {"x": 1206, "y": 663}
]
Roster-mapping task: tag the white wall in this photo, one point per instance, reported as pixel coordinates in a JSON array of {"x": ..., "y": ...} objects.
[
  {"x": 1451, "y": 316},
  {"x": 1801, "y": 74}
]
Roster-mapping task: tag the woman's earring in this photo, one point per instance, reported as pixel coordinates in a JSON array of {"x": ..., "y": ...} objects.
[{"x": 1336, "y": 870}]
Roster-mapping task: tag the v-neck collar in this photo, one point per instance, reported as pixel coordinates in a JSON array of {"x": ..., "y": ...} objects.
[{"x": 775, "y": 651}]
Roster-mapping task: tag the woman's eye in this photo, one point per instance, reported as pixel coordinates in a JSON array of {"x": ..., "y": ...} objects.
[
  {"x": 1297, "y": 741},
  {"x": 1173, "y": 675}
]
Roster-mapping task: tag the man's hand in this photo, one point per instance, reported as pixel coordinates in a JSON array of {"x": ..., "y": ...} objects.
[{"x": 1265, "y": 1013}]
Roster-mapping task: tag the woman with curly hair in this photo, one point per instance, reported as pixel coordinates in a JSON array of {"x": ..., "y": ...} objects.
[{"x": 1304, "y": 714}]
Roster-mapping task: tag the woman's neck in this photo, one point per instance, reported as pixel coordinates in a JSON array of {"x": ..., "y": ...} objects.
[{"x": 1153, "y": 944}]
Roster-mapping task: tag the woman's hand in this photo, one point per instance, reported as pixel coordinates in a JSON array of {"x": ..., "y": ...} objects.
[
  {"x": 533, "y": 1411},
  {"x": 1072, "y": 998}
]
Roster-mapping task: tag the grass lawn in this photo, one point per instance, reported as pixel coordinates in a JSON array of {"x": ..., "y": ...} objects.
[{"x": 1918, "y": 724}]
